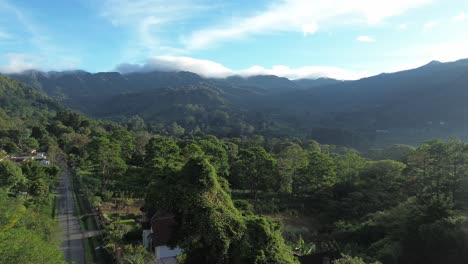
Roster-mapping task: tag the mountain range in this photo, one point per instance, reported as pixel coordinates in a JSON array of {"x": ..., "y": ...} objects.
[{"x": 406, "y": 107}]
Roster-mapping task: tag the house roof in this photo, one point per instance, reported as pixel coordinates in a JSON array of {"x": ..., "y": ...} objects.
[{"x": 162, "y": 224}]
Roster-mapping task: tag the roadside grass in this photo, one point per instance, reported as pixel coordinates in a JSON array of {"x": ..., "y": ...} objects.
[
  {"x": 87, "y": 223},
  {"x": 87, "y": 247},
  {"x": 54, "y": 206}
]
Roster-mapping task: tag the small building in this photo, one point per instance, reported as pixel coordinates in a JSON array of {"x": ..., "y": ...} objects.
[
  {"x": 40, "y": 154},
  {"x": 44, "y": 162},
  {"x": 20, "y": 159},
  {"x": 157, "y": 237}
]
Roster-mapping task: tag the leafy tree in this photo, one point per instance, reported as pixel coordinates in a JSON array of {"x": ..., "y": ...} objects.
[
  {"x": 291, "y": 161},
  {"x": 25, "y": 246},
  {"x": 319, "y": 174},
  {"x": 208, "y": 226},
  {"x": 207, "y": 222},
  {"x": 349, "y": 166},
  {"x": 378, "y": 186},
  {"x": 107, "y": 156},
  {"x": 192, "y": 150},
  {"x": 256, "y": 170},
  {"x": 215, "y": 152},
  {"x": 345, "y": 259},
  {"x": 176, "y": 129},
  {"x": 398, "y": 152},
  {"x": 11, "y": 176},
  {"x": 33, "y": 171},
  {"x": 263, "y": 243},
  {"x": 137, "y": 255},
  {"x": 39, "y": 189},
  {"x": 38, "y": 132},
  {"x": 418, "y": 230},
  {"x": 162, "y": 156},
  {"x": 312, "y": 145},
  {"x": 114, "y": 234},
  {"x": 11, "y": 211},
  {"x": 438, "y": 167},
  {"x": 136, "y": 123},
  {"x": 126, "y": 141}
]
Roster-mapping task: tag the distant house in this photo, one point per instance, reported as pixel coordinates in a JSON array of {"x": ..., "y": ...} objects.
[
  {"x": 41, "y": 157},
  {"x": 20, "y": 159},
  {"x": 157, "y": 237}
]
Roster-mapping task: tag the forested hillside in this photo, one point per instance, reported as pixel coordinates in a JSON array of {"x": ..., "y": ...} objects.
[
  {"x": 404, "y": 107},
  {"x": 249, "y": 199},
  {"x": 28, "y": 230}
]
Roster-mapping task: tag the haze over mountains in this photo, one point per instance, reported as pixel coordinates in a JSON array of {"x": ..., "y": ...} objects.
[{"x": 405, "y": 107}]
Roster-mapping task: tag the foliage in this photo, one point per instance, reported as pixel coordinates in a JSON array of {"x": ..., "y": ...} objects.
[
  {"x": 319, "y": 174},
  {"x": 209, "y": 228},
  {"x": 256, "y": 170},
  {"x": 137, "y": 255},
  {"x": 11, "y": 177},
  {"x": 403, "y": 205},
  {"x": 302, "y": 248},
  {"x": 25, "y": 246},
  {"x": 263, "y": 243},
  {"x": 345, "y": 259}
]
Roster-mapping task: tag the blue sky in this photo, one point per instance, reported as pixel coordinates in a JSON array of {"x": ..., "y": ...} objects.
[{"x": 344, "y": 39}]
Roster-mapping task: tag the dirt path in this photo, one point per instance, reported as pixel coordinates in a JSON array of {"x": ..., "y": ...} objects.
[{"x": 72, "y": 243}]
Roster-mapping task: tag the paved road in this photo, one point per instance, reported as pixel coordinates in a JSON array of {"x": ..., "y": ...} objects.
[{"x": 72, "y": 244}]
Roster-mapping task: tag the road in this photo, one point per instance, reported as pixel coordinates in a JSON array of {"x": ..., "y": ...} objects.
[{"x": 72, "y": 243}]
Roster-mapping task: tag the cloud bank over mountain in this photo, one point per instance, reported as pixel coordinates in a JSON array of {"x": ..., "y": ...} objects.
[{"x": 213, "y": 69}]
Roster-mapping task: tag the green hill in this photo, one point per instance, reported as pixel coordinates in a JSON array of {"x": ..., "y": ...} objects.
[{"x": 21, "y": 105}]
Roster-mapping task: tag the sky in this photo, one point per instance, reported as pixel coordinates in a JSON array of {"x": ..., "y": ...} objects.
[{"x": 342, "y": 39}]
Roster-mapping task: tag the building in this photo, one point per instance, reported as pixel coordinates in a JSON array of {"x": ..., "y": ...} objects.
[
  {"x": 40, "y": 157},
  {"x": 156, "y": 238}
]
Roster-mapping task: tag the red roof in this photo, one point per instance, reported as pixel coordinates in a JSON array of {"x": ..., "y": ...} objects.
[{"x": 162, "y": 224}]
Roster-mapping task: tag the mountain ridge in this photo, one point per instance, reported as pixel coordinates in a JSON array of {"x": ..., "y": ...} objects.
[{"x": 401, "y": 103}]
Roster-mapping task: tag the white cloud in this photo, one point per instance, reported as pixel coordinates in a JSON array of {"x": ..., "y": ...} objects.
[
  {"x": 18, "y": 62},
  {"x": 420, "y": 54},
  {"x": 292, "y": 15},
  {"x": 429, "y": 25},
  {"x": 365, "y": 39},
  {"x": 446, "y": 51},
  {"x": 460, "y": 17},
  {"x": 309, "y": 28},
  {"x": 307, "y": 72},
  {"x": 150, "y": 20},
  {"x": 402, "y": 26},
  {"x": 134, "y": 12},
  {"x": 216, "y": 70},
  {"x": 173, "y": 63}
]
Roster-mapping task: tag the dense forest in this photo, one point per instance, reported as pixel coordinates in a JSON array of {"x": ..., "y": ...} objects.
[
  {"x": 250, "y": 196},
  {"x": 407, "y": 107}
]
